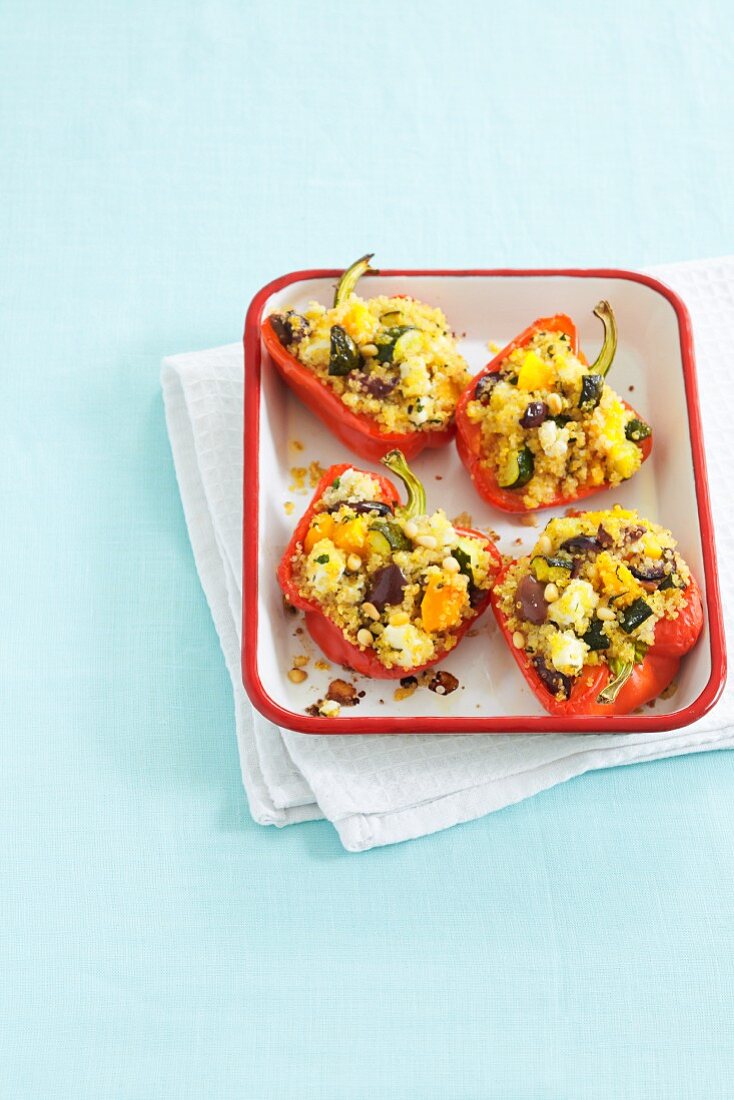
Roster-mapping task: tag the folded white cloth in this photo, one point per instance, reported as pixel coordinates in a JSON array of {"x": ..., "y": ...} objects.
[{"x": 382, "y": 789}]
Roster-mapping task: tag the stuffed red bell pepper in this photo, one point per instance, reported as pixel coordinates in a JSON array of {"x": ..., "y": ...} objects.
[
  {"x": 600, "y": 614},
  {"x": 538, "y": 427},
  {"x": 380, "y": 373},
  {"x": 387, "y": 589}
]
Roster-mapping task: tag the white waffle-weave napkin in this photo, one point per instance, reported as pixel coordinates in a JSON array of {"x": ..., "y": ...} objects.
[{"x": 382, "y": 789}]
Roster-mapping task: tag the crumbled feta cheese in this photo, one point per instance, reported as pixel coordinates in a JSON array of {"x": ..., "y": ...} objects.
[
  {"x": 353, "y": 485},
  {"x": 574, "y": 606},
  {"x": 567, "y": 652},
  {"x": 415, "y": 378},
  {"x": 553, "y": 440},
  {"x": 414, "y": 648},
  {"x": 325, "y": 566}
]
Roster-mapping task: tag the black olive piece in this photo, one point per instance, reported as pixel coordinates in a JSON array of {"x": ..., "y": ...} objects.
[
  {"x": 379, "y": 387},
  {"x": 529, "y": 595},
  {"x": 289, "y": 327},
  {"x": 653, "y": 573},
  {"x": 555, "y": 681},
  {"x": 364, "y": 507},
  {"x": 476, "y": 595},
  {"x": 387, "y": 586},
  {"x": 581, "y": 544},
  {"x": 535, "y": 414},
  {"x": 282, "y": 329},
  {"x": 485, "y": 385}
]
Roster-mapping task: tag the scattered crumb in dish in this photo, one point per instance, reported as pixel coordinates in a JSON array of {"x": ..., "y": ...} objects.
[
  {"x": 408, "y": 687},
  {"x": 297, "y": 675},
  {"x": 321, "y": 664},
  {"x": 315, "y": 473},
  {"x": 463, "y": 519},
  {"x": 343, "y": 693},
  {"x": 669, "y": 691},
  {"x": 301, "y": 660},
  {"x": 529, "y": 520},
  {"x": 494, "y": 347},
  {"x": 298, "y": 479},
  {"x": 443, "y": 683},
  {"x": 296, "y": 445},
  {"x": 288, "y": 506}
]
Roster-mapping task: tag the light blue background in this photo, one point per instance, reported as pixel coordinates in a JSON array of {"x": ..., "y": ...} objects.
[{"x": 160, "y": 161}]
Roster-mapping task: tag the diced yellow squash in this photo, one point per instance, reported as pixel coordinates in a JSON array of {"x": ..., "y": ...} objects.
[
  {"x": 351, "y": 536},
  {"x": 535, "y": 373},
  {"x": 625, "y": 458},
  {"x": 442, "y": 604},
  {"x": 652, "y": 547},
  {"x": 616, "y": 580},
  {"x": 321, "y": 527}
]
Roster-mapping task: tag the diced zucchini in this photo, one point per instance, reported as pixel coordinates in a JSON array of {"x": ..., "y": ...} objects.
[
  {"x": 393, "y": 534},
  {"x": 387, "y": 340},
  {"x": 672, "y": 580},
  {"x": 344, "y": 355},
  {"x": 465, "y": 562},
  {"x": 595, "y": 637},
  {"x": 635, "y": 615},
  {"x": 637, "y": 430},
  {"x": 592, "y": 387},
  {"x": 378, "y": 543},
  {"x": 551, "y": 569},
  {"x": 392, "y": 317},
  {"x": 518, "y": 470}
]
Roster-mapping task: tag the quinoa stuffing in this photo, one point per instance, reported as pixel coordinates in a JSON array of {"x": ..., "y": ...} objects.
[
  {"x": 393, "y": 359},
  {"x": 592, "y": 591},
  {"x": 551, "y": 427},
  {"x": 397, "y": 581}
]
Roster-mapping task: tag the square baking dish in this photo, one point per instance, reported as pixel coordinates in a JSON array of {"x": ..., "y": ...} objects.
[{"x": 654, "y": 368}]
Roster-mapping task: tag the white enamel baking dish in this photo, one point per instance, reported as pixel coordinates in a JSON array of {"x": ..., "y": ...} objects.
[{"x": 654, "y": 369}]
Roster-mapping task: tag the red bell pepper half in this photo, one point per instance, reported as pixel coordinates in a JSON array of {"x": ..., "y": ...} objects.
[
  {"x": 469, "y": 434},
  {"x": 635, "y": 686},
  {"x": 327, "y": 635},
  {"x": 357, "y": 431}
]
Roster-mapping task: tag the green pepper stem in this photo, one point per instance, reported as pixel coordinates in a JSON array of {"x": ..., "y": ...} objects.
[
  {"x": 622, "y": 673},
  {"x": 351, "y": 277},
  {"x": 416, "y": 502},
  {"x": 605, "y": 313}
]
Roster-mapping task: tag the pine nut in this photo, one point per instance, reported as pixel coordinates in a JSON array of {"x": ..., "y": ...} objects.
[
  {"x": 550, "y": 593},
  {"x": 544, "y": 545},
  {"x": 518, "y": 640},
  {"x": 370, "y": 611},
  {"x": 450, "y": 564},
  {"x": 606, "y": 614},
  {"x": 354, "y": 563},
  {"x": 411, "y": 529},
  {"x": 428, "y": 541},
  {"x": 297, "y": 675},
  {"x": 554, "y": 403},
  {"x": 368, "y": 350},
  {"x": 364, "y": 637}
]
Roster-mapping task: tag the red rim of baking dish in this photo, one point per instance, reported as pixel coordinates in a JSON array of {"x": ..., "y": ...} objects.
[{"x": 518, "y": 723}]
